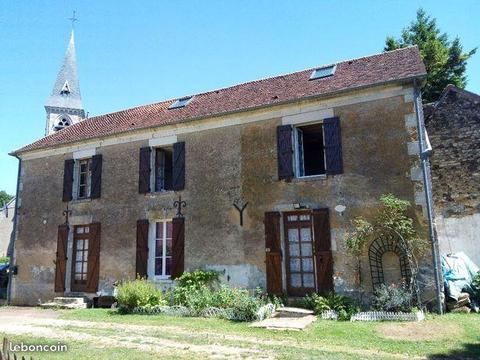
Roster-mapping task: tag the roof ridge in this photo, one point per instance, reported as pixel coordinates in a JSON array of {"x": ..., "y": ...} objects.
[{"x": 252, "y": 81}]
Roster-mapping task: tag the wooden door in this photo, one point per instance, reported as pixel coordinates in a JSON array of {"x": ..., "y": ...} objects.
[
  {"x": 300, "y": 264},
  {"x": 81, "y": 243}
]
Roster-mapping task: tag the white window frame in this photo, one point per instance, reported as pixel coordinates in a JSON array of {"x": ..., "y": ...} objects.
[
  {"x": 297, "y": 152},
  {"x": 76, "y": 179},
  {"x": 152, "y": 238}
]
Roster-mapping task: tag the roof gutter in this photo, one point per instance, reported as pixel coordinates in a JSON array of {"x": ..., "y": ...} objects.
[
  {"x": 226, "y": 113},
  {"x": 12, "y": 253},
  {"x": 424, "y": 158}
]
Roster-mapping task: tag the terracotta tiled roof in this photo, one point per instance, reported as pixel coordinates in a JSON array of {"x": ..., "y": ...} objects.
[{"x": 393, "y": 66}]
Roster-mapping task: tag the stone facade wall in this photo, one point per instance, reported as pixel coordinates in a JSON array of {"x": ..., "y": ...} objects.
[
  {"x": 6, "y": 227},
  {"x": 453, "y": 125},
  {"x": 222, "y": 164}
]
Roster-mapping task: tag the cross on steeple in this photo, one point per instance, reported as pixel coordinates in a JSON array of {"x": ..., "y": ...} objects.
[{"x": 73, "y": 19}]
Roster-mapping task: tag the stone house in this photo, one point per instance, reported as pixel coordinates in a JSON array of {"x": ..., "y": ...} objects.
[
  {"x": 270, "y": 174},
  {"x": 7, "y": 214},
  {"x": 453, "y": 124}
]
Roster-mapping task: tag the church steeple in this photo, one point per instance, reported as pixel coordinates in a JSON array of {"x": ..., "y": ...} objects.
[{"x": 64, "y": 106}]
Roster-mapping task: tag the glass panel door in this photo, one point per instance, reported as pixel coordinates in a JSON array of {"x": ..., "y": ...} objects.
[
  {"x": 81, "y": 238},
  {"x": 299, "y": 250}
]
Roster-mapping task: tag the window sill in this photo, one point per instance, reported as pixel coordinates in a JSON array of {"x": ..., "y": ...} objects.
[
  {"x": 159, "y": 193},
  {"x": 310, "y": 178},
  {"x": 80, "y": 201}
]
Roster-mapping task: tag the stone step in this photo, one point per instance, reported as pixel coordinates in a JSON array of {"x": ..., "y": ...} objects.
[
  {"x": 56, "y": 305},
  {"x": 64, "y": 300},
  {"x": 292, "y": 312}
]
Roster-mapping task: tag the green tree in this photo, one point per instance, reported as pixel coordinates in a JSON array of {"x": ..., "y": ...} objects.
[
  {"x": 445, "y": 61},
  {"x": 4, "y": 197}
]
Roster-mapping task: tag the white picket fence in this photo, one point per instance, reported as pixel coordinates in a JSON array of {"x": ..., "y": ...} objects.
[{"x": 388, "y": 316}]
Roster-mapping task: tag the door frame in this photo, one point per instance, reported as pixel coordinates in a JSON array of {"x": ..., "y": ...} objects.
[
  {"x": 285, "y": 223},
  {"x": 74, "y": 287}
]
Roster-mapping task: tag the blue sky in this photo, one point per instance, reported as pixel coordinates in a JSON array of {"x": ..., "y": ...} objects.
[{"x": 138, "y": 52}]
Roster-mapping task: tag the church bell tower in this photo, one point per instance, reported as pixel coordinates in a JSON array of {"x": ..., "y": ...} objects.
[{"x": 64, "y": 106}]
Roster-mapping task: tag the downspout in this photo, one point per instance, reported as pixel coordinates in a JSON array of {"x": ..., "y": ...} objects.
[
  {"x": 14, "y": 237},
  {"x": 424, "y": 153}
]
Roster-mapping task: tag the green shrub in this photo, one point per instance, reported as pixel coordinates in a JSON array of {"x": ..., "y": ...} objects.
[
  {"x": 4, "y": 259},
  {"x": 197, "y": 278},
  {"x": 343, "y": 305},
  {"x": 393, "y": 298},
  {"x": 138, "y": 293},
  {"x": 192, "y": 285}
]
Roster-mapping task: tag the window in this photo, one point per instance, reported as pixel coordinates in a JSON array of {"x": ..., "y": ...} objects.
[
  {"x": 63, "y": 123},
  {"x": 83, "y": 179},
  {"x": 162, "y": 163},
  {"x": 65, "y": 89},
  {"x": 310, "y": 154},
  {"x": 163, "y": 249},
  {"x": 323, "y": 72},
  {"x": 182, "y": 102}
]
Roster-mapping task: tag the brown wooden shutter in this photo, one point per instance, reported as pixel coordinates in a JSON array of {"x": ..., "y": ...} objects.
[
  {"x": 142, "y": 249},
  {"x": 178, "y": 175},
  {"x": 284, "y": 152},
  {"x": 273, "y": 251},
  {"x": 93, "y": 265},
  {"x": 68, "y": 180},
  {"x": 333, "y": 146},
  {"x": 61, "y": 258},
  {"x": 178, "y": 247},
  {"x": 96, "y": 187},
  {"x": 144, "y": 171},
  {"x": 323, "y": 252}
]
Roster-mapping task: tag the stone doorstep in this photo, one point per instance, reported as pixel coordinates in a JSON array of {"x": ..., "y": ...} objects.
[
  {"x": 66, "y": 302},
  {"x": 292, "y": 312},
  {"x": 69, "y": 300},
  {"x": 285, "y": 323},
  {"x": 54, "y": 305}
]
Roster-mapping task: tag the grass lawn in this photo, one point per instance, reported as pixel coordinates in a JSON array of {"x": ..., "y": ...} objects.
[{"x": 107, "y": 335}]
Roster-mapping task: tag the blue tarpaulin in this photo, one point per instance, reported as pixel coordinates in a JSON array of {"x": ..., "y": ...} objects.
[{"x": 458, "y": 271}]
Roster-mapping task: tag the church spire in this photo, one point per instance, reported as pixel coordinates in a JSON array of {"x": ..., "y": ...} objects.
[{"x": 64, "y": 106}]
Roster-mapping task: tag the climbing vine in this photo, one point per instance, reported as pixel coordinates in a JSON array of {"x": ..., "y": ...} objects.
[{"x": 391, "y": 221}]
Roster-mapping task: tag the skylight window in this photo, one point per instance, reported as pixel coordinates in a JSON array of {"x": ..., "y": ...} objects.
[
  {"x": 182, "y": 102},
  {"x": 323, "y": 72}
]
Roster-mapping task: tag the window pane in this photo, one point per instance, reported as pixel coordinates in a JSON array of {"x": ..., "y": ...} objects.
[
  {"x": 85, "y": 244},
  {"x": 159, "y": 248},
  {"x": 308, "y": 280},
  {"x": 169, "y": 229},
  {"x": 168, "y": 265},
  {"x": 87, "y": 229},
  {"x": 294, "y": 249},
  {"x": 306, "y": 249},
  {"x": 79, "y": 256},
  {"x": 80, "y": 230},
  {"x": 78, "y": 267},
  {"x": 79, "y": 244},
  {"x": 307, "y": 264},
  {"x": 304, "y": 217},
  {"x": 292, "y": 235},
  {"x": 158, "y": 266},
  {"x": 305, "y": 234},
  {"x": 78, "y": 276},
  {"x": 159, "y": 230},
  {"x": 292, "y": 217},
  {"x": 169, "y": 247},
  {"x": 295, "y": 265}
]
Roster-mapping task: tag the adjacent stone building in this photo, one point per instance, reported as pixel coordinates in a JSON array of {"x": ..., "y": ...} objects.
[
  {"x": 244, "y": 180},
  {"x": 7, "y": 214},
  {"x": 453, "y": 124}
]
